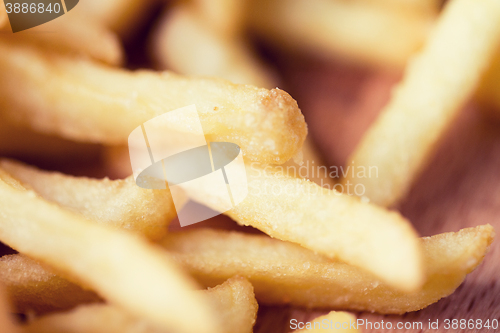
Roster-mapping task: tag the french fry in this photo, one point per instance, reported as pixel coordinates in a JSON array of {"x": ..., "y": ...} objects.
[
  {"x": 36, "y": 288},
  {"x": 326, "y": 221},
  {"x": 226, "y": 17},
  {"x": 424, "y": 7},
  {"x": 310, "y": 160},
  {"x": 117, "y": 203},
  {"x": 186, "y": 44},
  {"x": 235, "y": 304},
  {"x": 89, "y": 102},
  {"x": 489, "y": 89},
  {"x": 233, "y": 301},
  {"x": 436, "y": 85},
  {"x": 285, "y": 273},
  {"x": 366, "y": 33},
  {"x": 331, "y": 322},
  {"x": 121, "y": 267},
  {"x": 74, "y": 34}
]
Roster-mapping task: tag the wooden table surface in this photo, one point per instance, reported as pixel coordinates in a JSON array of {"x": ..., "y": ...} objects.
[{"x": 460, "y": 187}]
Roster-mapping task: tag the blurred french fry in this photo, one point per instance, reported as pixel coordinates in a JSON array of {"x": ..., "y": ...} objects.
[
  {"x": 6, "y": 319},
  {"x": 308, "y": 164},
  {"x": 117, "y": 203},
  {"x": 186, "y": 44},
  {"x": 74, "y": 34},
  {"x": 437, "y": 83},
  {"x": 331, "y": 322},
  {"x": 233, "y": 301},
  {"x": 122, "y": 268},
  {"x": 328, "y": 222},
  {"x": 489, "y": 90},
  {"x": 425, "y": 7},
  {"x": 285, "y": 273},
  {"x": 226, "y": 17},
  {"x": 89, "y": 102},
  {"x": 36, "y": 288},
  {"x": 3, "y": 17},
  {"x": 122, "y": 16},
  {"x": 361, "y": 32}
]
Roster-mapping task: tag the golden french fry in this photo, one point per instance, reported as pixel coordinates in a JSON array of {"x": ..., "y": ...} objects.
[
  {"x": 74, "y": 34},
  {"x": 117, "y": 203},
  {"x": 331, "y": 322},
  {"x": 89, "y": 102},
  {"x": 361, "y": 32},
  {"x": 36, "y": 288},
  {"x": 226, "y": 17},
  {"x": 122, "y": 268},
  {"x": 309, "y": 165},
  {"x": 326, "y": 221},
  {"x": 235, "y": 304},
  {"x": 188, "y": 45},
  {"x": 285, "y": 273},
  {"x": 233, "y": 301},
  {"x": 436, "y": 85},
  {"x": 6, "y": 319}
]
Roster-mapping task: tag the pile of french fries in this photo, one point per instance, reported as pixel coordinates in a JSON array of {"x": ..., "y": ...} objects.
[{"x": 96, "y": 255}]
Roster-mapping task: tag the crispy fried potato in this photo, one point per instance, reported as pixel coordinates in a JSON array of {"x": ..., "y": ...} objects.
[
  {"x": 329, "y": 222},
  {"x": 285, "y": 273},
  {"x": 74, "y": 34},
  {"x": 36, "y": 288},
  {"x": 186, "y": 44},
  {"x": 331, "y": 322},
  {"x": 117, "y": 203},
  {"x": 235, "y": 304},
  {"x": 308, "y": 164},
  {"x": 89, "y": 102},
  {"x": 366, "y": 33},
  {"x": 122, "y": 268},
  {"x": 233, "y": 301},
  {"x": 436, "y": 85}
]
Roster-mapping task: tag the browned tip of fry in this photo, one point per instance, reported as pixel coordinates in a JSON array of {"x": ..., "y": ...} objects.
[{"x": 463, "y": 250}]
